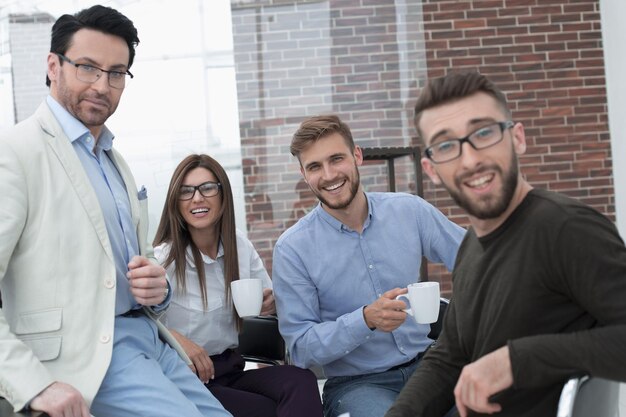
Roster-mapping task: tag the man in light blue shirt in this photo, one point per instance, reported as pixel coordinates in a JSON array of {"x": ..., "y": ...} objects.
[
  {"x": 110, "y": 190},
  {"x": 337, "y": 272}
]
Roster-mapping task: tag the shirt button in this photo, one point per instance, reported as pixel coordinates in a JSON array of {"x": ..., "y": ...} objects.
[
  {"x": 105, "y": 338},
  {"x": 347, "y": 351},
  {"x": 109, "y": 283},
  {"x": 370, "y": 266}
]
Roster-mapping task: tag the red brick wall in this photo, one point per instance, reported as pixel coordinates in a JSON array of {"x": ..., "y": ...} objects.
[{"x": 365, "y": 61}]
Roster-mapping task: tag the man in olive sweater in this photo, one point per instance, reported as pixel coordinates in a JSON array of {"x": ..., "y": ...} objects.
[{"x": 539, "y": 280}]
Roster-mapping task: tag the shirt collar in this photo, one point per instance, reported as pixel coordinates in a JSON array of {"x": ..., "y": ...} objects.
[
  {"x": 74, "y": 129},
  {"x": 336, "y": 224}
]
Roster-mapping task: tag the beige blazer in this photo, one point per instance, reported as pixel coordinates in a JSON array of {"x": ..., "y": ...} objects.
[{"x": 57, "y": 273}]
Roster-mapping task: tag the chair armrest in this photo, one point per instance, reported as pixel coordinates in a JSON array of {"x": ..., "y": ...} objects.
[
  {"x": 6, "y": 410},
  {"x": 587, "y": 396}
]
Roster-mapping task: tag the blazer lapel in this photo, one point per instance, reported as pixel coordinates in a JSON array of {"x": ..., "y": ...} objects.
[
  {"x": 138, "y": 208},
  {"x": 63, "y": 150},
  {"x": 129, "y": 183}
]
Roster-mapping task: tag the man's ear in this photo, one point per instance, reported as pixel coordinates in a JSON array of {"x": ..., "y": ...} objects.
[
  {"x": 430, "y": 170},
  {"x": 519, "y": 138},
  {"x": 358, "y": 155},
  {"x": 304, "y": 175},
  {"x": 53, "y": 66}
]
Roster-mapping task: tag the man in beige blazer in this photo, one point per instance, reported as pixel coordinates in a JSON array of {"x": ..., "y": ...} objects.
[{"x": 78, "y": 329}]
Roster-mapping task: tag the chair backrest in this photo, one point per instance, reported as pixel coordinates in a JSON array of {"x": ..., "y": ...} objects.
[
  {"x": 586, "y": 396},
  {"x": 435, "y": 328},
  {"x": 390, "y": 154},
  {"x": 260, "y": 340}
]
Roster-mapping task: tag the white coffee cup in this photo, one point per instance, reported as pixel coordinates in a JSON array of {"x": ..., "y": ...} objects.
[
  {"x": 247, "y": 296},
  {"x": 423, "y": 301}
]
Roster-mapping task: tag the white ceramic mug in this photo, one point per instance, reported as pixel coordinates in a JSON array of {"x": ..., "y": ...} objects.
[
  {"x": 247, "y": 296},
  {"x": 423, "y": 301}
]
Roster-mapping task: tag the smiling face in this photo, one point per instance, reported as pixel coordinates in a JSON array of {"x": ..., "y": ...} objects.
[
  {"x": 200, "y": 213},
  {"x": 331, "y": 171},
  {"x": 93, "y": 103},
  {"x": 486, "y": 183}
]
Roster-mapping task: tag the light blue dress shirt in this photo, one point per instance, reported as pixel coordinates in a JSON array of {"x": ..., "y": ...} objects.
[
  {"x": 134, "y": 337},
  {"x": 112, "y": 196},
  {"x": 325, "y": 273}
]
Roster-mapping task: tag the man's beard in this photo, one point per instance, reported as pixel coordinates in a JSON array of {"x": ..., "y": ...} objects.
[
  {"x": 72, "y": 101},
  {"x": 354, "y": 188},
  {"x": 492, "y": 206}
]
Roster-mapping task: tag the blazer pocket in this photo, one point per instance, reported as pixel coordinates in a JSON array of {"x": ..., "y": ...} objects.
[
  {"x": 46, "y": 348},
  {"x": 31, "y": 325},
  {"x": 40, "y": 321}
]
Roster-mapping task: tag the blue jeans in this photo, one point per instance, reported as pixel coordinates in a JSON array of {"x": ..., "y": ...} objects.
[{"x": 369, "y": 395}]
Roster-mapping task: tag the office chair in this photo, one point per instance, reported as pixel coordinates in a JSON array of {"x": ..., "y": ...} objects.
[
  {"x": 260, "y": 341},
  {"x": 587, "y": 396},
  {"x": 6, "y": 410},
  {"x": 435, "y": 328}
]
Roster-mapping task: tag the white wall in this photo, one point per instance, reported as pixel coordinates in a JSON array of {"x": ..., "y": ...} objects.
[
  {"x": 613, "y": 15},
  {"x": 182, "y": 100}
]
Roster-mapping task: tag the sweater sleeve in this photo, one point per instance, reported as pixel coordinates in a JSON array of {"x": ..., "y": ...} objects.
[{"x": 590, "y": 268}]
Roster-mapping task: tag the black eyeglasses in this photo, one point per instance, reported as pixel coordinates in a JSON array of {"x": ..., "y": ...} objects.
[
  {"x": 207, "y": 189},
  {"x": 479, "y": 139},
  {"x": 90, "y": 74}
]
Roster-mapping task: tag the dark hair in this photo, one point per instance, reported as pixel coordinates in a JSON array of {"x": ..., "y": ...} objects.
[
  {"x": 100, "y": 18},
  {"x": 317, "y": 127},
  {"x": 455, "y": 86},
  {"x": 173, "y": 229}
]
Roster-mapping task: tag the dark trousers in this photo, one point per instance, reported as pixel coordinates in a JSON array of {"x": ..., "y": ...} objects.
[{"x": 280, "y": 391}]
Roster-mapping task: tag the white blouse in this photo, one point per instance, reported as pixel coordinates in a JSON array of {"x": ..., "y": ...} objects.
[{"x": 213, "y": 329}]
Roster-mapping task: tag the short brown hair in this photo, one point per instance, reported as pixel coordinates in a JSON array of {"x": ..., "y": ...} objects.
[
  {"x": 455, "y": 86},
  {"x": 317, "y": 127}
]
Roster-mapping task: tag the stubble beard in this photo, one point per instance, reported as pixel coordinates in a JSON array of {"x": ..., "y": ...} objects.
[
  {"x": 491, "y": 206},
  {"x": 354, "y": 189},
  {"x": 72, "y": 103}
]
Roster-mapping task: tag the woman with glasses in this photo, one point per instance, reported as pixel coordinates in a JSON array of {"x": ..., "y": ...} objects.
[{"x": 202, "y": 251}]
